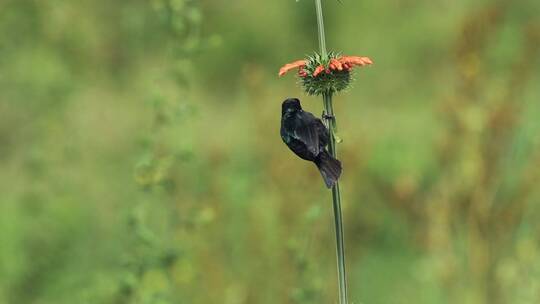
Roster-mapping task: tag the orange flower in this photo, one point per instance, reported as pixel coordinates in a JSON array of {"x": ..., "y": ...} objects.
[
  {"x": 343, "y": 63},
  {"x": 292, "y": 65},
  {"x": 330, "y": 73}
]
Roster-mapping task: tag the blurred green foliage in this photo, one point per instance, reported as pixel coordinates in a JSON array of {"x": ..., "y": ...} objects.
[{"x": 141, "y": 162}]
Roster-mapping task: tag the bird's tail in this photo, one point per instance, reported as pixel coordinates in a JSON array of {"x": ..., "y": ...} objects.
[{"x": 329, "y": 167}]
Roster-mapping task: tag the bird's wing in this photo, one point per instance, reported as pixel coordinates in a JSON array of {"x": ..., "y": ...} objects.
[
  {"x": 307, "y": 131},
  {"x": 324, "y": 134}
]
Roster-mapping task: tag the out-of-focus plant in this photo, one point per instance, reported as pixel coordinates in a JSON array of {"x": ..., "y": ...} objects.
[
  {"x": 311, "y": 289},
  {"x": 159, "y": 248},
  {"x": 472, "y": 210},
  {"x": 325, "y": 74}
]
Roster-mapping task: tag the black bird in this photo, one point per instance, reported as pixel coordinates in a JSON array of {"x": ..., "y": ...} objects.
[{"x": 307, "y": 137}]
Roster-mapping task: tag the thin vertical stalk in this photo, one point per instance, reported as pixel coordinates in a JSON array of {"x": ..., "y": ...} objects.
[
  {"x": 336, "y": 198},
  {"x": 320, "y": 24},
  {"x": 336, "y": 195}
]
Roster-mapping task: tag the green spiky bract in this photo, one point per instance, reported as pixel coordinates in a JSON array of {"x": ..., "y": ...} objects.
[{"x": 332, "y": 82}]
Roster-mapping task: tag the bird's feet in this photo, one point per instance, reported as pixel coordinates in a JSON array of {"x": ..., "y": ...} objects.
[{"x": 327, "y": 116}]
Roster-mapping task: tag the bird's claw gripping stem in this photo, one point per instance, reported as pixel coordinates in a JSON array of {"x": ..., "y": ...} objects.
[{"x": 327, "y": 116}]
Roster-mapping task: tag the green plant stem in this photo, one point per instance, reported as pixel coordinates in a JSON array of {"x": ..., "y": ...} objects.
[
  {"x": 336, "y": 195},
  {"x": 320, "y": 24},
  {"x": 336, "y": 198}
]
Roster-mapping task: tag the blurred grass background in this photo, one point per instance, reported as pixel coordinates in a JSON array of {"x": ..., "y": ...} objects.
[{"x": 141, "y": 161}]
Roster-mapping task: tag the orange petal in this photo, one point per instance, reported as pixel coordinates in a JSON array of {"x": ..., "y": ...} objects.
[
  {"x": 292, "y": 65},
  {"x": 368, "y": 60},
  {"x": 356, "y": 60},
  {"x": 343, "y": 59},
  {"x": 336, "y": 65},
  {"x": 318, "y": 70}
]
